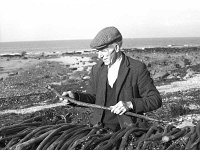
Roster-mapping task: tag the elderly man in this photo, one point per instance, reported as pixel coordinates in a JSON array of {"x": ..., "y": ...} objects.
[{"x": 119, "y": 82}]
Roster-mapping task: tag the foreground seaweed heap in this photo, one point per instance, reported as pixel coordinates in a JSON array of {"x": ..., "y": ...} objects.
[{"x": 34, "y": 134}]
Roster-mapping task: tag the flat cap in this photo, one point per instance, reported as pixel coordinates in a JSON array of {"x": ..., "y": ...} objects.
[{"x": 105, "y": 37}]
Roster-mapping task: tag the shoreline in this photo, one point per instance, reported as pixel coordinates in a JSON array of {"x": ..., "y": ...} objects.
[
  {"x": 59, "y": 51},
  {"x": 54, "y": 51},
  {"x": 12, "y": 62}
]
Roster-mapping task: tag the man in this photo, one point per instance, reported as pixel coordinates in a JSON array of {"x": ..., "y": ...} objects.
[{"x": 119, "y": 82}]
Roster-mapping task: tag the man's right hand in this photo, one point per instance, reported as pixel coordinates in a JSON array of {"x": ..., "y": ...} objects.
[{"x": 67, "y": 94}]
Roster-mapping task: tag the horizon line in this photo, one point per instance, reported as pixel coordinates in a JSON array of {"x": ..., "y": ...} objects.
[{"x": 91, "y": 39}]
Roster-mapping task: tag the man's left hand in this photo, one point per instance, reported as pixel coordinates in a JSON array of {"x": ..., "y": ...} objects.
[{"x": 121, "y": 107}]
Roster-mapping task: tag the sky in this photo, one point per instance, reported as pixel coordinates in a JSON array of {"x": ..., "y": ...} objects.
[{"x": 35, "y": 20}]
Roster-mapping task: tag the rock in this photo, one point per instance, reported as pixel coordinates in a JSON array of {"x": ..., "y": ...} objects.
[
  {"x": 80, "y": 68},
  {"x": 73, "y": 77},
  {"x": 160, "y": 75},
  {"x": 177, "y": 66},
  {"x": 193, "y": 107},
  {"x": 13, "y": 73},
  {"x": 64, "y": 77},
  {"x": 24, "y": 57},
  {"x": 86, "y": 77},
  {"x": 189, "y": 74},
  {"x": 187, "y": 62},
  {"x": 75, "y": 68},
  {"x": 171, "y": 76}
]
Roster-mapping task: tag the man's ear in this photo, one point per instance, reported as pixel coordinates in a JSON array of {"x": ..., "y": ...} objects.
[{"x": 117, "y": 48}]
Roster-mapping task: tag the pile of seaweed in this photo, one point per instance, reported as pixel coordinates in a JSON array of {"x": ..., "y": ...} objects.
[{"x": 38, "y": 133}]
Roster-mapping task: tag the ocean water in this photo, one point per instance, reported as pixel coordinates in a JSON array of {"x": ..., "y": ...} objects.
[{"x": 79, "y": 45}]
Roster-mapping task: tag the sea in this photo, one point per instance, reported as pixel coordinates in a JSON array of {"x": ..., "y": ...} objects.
[{"x": 82, "y": 45}]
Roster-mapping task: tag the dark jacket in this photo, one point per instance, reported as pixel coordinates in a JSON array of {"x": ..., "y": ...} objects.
[{"x": 133, "y": 84}]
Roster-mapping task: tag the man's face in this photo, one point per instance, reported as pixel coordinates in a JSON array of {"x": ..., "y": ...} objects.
[{"x": 108, "y": 54}]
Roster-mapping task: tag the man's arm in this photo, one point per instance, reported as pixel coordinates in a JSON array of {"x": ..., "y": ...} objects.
[{"x": 150, "y": 97}]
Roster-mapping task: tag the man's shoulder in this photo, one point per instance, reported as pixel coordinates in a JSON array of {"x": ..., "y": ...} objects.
[{"x": 134, "y": 63}]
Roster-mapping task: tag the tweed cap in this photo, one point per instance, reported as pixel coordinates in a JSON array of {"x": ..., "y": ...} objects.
[{"x": 105, "y": 37}]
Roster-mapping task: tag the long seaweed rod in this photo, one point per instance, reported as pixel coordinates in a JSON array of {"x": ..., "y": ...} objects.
[{"x": 100, "y": 107}]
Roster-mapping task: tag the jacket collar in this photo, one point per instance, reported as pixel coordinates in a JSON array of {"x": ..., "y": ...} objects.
[
  {"x": 123, "y": 71},
  {"x": 122, "y": 74}
]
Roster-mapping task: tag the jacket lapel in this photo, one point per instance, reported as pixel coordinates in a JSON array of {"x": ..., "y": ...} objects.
[
  {"x": 123, "y": 71},
  {"x": 102, "y": 84},
  {"x": 124, "y": 120}
]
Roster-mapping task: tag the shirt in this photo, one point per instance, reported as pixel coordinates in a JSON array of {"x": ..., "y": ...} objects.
[{"x": 113, "y": 71}]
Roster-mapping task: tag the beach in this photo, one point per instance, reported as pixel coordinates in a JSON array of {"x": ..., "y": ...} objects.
[{"x": 24, "y": 77}]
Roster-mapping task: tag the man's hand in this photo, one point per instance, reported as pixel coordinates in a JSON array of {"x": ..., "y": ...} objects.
[
  {"x": 67, "y": 94},
  {"x": 121, "y": 107}
]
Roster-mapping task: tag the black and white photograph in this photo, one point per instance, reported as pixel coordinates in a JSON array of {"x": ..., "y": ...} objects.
[{"x": 99, "y": 75}]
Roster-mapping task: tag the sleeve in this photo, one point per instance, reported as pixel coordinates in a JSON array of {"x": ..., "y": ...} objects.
[{"x": 150, "y": 98}]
